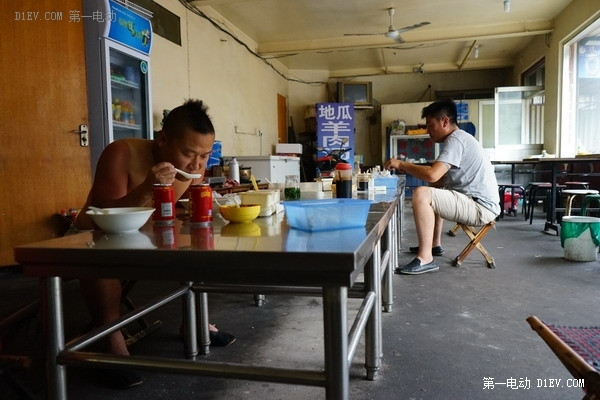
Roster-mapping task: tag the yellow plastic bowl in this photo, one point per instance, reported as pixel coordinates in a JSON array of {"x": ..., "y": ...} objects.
[{"x": 243, "y": 213}]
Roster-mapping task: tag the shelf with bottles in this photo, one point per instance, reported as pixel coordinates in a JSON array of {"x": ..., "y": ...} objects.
[
  {"x": 126, "y": 125},
  {"x": 124, "y": 113},
  {"x": 119, "y": 82},
  {"x": 123, "y": 77}
]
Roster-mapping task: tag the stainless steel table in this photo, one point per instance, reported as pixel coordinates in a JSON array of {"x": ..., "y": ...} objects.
[{"x": 328, "y": 263}]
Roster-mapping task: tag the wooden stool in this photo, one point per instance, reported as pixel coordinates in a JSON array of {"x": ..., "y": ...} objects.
[
  {"x": 587, "y": 200},
  {"x": 534, "y": 188},
  {"x": 9, "y": 362},
  {"x": 531, "y": 191},
  {"x": 572, "y": 193},
  {"x": 577, "y": 185},
  {"x": 575, "y": 347},
  {"x": 145, "y": 327},
  {"x": 455, "y": 228},
  {"x": 475, "y": 236}
]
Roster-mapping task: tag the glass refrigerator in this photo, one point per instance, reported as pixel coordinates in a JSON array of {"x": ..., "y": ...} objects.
[{"x": 118, "y": 39}]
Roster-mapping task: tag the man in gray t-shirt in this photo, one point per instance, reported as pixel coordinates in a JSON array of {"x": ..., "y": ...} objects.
[{"x": 470, "y": 195}]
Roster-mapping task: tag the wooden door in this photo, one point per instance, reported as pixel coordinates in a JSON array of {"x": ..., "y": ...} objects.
[
  {"x": 282, "y": 127},
  {"x": 43, "y": 168}
]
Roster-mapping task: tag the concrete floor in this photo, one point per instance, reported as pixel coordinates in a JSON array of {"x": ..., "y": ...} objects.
[{"x": 448, "y": 330}]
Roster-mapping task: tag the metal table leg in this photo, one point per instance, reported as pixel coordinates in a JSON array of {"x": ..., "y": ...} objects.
[
  {"x": 387, "y": 287},
  {"x": 190, "y": 333},
  {"x": 202, "y": 307},
  {"x": 551, "y": 213},
  {"x": 53, "y": 313},
  {"x": 373, "y": 331},
  {"x": 336, "y": 342}
]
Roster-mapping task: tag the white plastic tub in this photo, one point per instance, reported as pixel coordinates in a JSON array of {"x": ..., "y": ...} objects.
[{"x": 580, "y": 237}]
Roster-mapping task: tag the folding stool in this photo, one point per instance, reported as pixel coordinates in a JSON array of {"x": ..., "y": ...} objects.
[
  {"x": 455, "y": 228},
  {"x": 145, "y": 328},
  {"x": 475, "y": 236}
]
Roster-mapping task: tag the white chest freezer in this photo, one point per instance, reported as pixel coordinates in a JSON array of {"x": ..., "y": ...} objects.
[{"x": 273, "y": 168}]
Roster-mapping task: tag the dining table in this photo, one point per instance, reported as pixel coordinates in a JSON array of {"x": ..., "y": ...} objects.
[
  {"x": 262, "y": 256},
  {"x": 513, "y": 167}
]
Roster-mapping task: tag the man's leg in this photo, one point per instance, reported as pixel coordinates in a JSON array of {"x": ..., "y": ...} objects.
[
  {"x": 425, "y": 222},
  {"x": 437, "y": 231},
  {"x": 103, "y": 299}
]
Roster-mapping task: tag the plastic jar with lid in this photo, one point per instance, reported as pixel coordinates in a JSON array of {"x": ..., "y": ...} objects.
[{"x": 343, "y": 180}]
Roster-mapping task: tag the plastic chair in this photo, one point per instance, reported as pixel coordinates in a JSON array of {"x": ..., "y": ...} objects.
[
  {"x": 476, "y": 236},
  {"x": 576, "y": 348},
  {"x": 587, "y": 200}
]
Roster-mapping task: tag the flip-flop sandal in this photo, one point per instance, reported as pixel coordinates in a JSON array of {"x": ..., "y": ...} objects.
[
  {"x": 217, "y": 338},
  {"x": 122, "y": 378},
  {"x": 220, "y": 338}
]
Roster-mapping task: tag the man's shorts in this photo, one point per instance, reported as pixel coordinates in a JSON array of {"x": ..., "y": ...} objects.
[{"x": 458, "y": 207}]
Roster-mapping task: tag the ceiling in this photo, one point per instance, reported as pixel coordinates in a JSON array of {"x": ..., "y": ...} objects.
[{"x": 310, "y": 34}]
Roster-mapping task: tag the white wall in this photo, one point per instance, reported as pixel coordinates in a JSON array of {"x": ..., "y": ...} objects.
[
  {"x": 239, "y": 89},
  {"x": 242, "y": 91},
  {"x": 571, "y": 20}
]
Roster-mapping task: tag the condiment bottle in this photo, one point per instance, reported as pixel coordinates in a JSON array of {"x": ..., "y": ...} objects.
[
  {"x": 343, "y": 180},
  {"x": 234, "y": 170},
  {"x": 292, "y": 187}
]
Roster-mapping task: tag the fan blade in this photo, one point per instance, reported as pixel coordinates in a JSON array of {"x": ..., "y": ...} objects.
[
  {"x": 411, "y": 27},
  {"x": 363, "y": 34},
  {"x": 398, "y": 39}
]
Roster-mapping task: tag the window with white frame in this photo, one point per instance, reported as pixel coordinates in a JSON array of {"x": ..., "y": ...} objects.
[{"x": 580, "y": 112}]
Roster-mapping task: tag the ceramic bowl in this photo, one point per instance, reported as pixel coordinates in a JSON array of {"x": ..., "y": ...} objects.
[
  {"x": 129, "y": 240},
  {"x": 243, "y": 213},
  {"x": 121, "y": 219}
]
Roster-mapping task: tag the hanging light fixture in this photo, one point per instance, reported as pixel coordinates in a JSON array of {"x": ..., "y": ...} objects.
[
  {"x": 506, "y": 5},
  {"x": 476, "y": 51}
]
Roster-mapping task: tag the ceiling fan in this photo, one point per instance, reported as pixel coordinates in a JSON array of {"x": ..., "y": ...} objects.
[{"x": 392, "y": 33}]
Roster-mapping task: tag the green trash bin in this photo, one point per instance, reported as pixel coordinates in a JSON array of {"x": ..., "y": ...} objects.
[{"x": 580, "y": 237}]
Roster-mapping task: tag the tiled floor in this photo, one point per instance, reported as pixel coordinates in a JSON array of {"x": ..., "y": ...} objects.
[{"x": 449, "y": 333}]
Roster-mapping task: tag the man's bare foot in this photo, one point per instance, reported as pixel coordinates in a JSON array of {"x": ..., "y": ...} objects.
[{"x": 115, "y": 344}]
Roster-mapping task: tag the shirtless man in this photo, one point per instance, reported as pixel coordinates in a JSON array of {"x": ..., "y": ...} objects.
[{"x": 125, "y": 175}]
